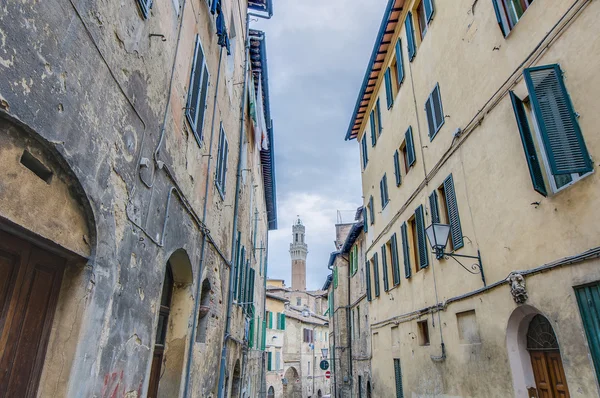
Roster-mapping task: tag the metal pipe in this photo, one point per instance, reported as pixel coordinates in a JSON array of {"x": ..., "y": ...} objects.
[
  {"x": 348, "y": 311},
  {"x": 332, "y": 314},
  {"x": 223, "y": 365}
]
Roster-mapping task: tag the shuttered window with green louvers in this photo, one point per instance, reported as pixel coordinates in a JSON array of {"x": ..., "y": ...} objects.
[
  {"x": 421, "y": 238},
  {"x": 398, "y": 376},
  {"x": 395, "y": 261},
  {"x": 434, "y": 207},
  {"x": 399, "y": 62},
  {"x": 368, "y": 271},
  {"x": 453, "y": 216},
  {"x": 376, "y": 273},
  {"x": 384, "y": 268},
  {"x": 410, "y": 36},
  {"x": 389, "y": 91},
  {"x": 379, "y": 124},
  {"x": 198, "y": 91},
  {"x": 373, "y": 130},
  {"x": 410, "y": 147},
  {"x": 588, "y": 299},
  {"x": 561, "y": 135},
  {"x": 406, "y": 251},
  {"x": 397, "y": 172}
]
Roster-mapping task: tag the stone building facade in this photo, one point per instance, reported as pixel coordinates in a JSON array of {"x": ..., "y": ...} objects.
[
  {"x": 481, "y": 116},
  {"x": 136, "y": 195}
]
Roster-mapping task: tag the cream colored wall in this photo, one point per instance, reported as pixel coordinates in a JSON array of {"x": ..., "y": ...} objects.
[{"x": 465, "y": 52}]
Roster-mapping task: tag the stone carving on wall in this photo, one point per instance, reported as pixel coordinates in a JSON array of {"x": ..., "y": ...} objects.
[{"x": 518, "y": 288}]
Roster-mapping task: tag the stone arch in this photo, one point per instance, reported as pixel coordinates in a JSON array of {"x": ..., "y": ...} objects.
[
  {"x": 181, "y": 309},
  {"x": 43, "y": 202},
  {"x": 236, "y": 380},
  {"x": 271, "y": 392},
  {"x": 203, "y": 311},
  {"x": 292, "y": 388}
]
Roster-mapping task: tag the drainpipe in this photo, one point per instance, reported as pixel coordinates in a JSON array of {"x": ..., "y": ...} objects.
[
  {"x": 263, "y": 355},
  {"x": 186, "y": 390},
  {"x": 226, "y": 336},
  {"x": 348, "y": 311},
  {"x": 330, "y": 267}
]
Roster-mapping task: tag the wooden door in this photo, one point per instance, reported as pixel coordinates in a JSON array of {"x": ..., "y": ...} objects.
[
  {"x": 549, "y": 374},
  {"x": 30, "y": 281}
]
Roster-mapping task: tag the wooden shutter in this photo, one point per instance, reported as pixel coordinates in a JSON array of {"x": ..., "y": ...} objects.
[
  {"x": 379, "y": 125},
  {"x": 434, "y": 111},
  {"x": 386, "y": 196},
  {"x": 270, "y": 361},
  {"x": 434, "y": 208},
  {"x": 335, "y": 277},
  {"x": 368, "y": 271},
  {"x": 373, "y": 131},
  {"x": 381, "y": 193},
  {"x": 251, "y": 334},
  {"x": 430, "y": 118},
  {"x": 533, "y": 162},
  {"x": 282, "y": 321},
  {"x": 452, "y": 207},
  {"x": 397, "y": 171},
  {"x": 410, "y": 147},
  {"x": 238, "y": 256},
  {"x": 251, "y": 291},
  {"x": 399, "y": 62},
  {"x": 264, "y": 335},
  {"x": 365, "y": 221},
  {"x": 556, "y": 118},
  {"x": 242, "y": 276},
  {"x": 499, "y": 17},
  {"x": 197, "y": 92},
  {"x": 429, "y": 10},
  {"x": 145, "y": 6},
  {"x": 386, "y": 282},
  {"x": 588, "y": 298},
  {"x": 410, "y": 36},
  {"x": 421, "y": 238},
  {"x": 371, "y": 210},
  {"x": 365, "y": 158},
  {"x": 389, "y": 92},
  {"x": 398, "y": 375},
  {"x": 270, "y": 317},
  {"x": 376, "y": 273},
  {"x": 395, "y": 262},
  {"x": 405, "y": 251}
]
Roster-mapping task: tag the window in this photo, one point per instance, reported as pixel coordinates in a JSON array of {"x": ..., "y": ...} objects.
[
  {"x": 277, "y": 360},
  {"x": 406, "y": 250},
  {"x": 423, "y": 327},
  {"x": 280, "y": 321},
  {"x": 308, "y": 335},
  {"x": 270, "y": 361},
  {"x": 298, "y": 301},
  {"x": 383, "y": 190},
  {"x": 378, "y": 121},
  {"x": 368, "y": 273},
  {"x": 145, "y": 6},
  {"x": 389, "y": 91},
  {"x": 397, "y": 172},
  {"x": 373, "y": 129},
  {"x": 410, "y": 36},
  {"x": 365, "y": 223},
  {"x": 398, "y": 377},
  {"x": 509, "y": 12},
  {"x": 399, "y": 63},
  {"x": 197, "y": 93},
  {"x": 434, "y": 112},
  {"x": 371, "y": 212},
  {"x": 365, "y": 155},
  {"x": 221, "y": 175},
  {"x": 335, "y": 277},
  {"x": 375, "y": 262},
  {"x": 559, "y": 138},
  {"x": 409, "y": 146},
  {"x": 353, "y": 260},
  {"x": 358, "y": 321},
  {"x": 384, "y": 267},
  {"x": 416, "y": 240},
  {"x": 393, "y": 247},
  {"x": 425, "y": 12},
  {"x": 446, "y": 212}
]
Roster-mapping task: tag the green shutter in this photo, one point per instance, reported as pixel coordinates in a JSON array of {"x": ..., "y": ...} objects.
[
  {"x": 242, "y": 274},
  {"x": 376, "y": 273},
  {"x": 373, "y": 131},
  {"x": 355, "y": 259},
  {"x": 389, "y": 93},
  {"x": 395, "y": 262},
  {"x": 397, "y": 172},
  {"x": 399, "y": 62},
  {"x": 363, "y": 143},
  {"x": 379, "y": 125},
  {"x": 365, "y": 220},
  {"x": 452, "y": 207},
  {"x": 421, "y": 238},
  {"x": 386, "y": 283},
  {"x": 410, "y": 36},
  {"x": 264, "y": 335},
  {"x": 368, "y": 270},
  {"x": 398, "y": 374},
  {"x": 535, "y": 171},
  {"x": 405, "y": 251},
  {"x": 238, "y": 256},
  {"x": 410, "y": 147},
  {"x": 251, "y": 334},
  {"x": 588, "y": 298},
  {"x": 499, "y": 17},
  {"x": 429, "y": 10},
  {"x": 335, "y": 277},
  {"x": 434, "y": 208},
  {"x": 557, "y": 120},
  {"x": 371, "y": 210},
  {"x": 282, "y": 321},
  {"x": 270, "y": 317},
  {"x": 270, "y": 361},
  {"x": 251, "y": 291}
]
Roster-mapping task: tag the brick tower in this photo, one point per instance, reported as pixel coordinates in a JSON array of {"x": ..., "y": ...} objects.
[{"x": 298, "y": 251}]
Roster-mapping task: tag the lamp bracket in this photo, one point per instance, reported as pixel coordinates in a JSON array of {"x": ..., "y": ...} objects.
[{"x": 474, "y": 269}]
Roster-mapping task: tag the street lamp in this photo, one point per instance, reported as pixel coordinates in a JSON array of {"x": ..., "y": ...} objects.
[
  {"x": 438, "y": 234},
  {"x": 324, "y": 352}
]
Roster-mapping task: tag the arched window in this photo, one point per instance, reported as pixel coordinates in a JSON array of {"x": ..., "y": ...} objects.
[
  {"x": 271, "y": 393},
  {"x": 540, "y": 335},
  {"x": 203, "y": 312}
]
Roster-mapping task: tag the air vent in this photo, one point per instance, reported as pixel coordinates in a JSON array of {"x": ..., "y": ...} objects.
[{"x": 37, "y": 167}]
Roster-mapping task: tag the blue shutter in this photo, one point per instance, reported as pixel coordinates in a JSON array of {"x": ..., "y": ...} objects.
[
  {"x": 381, "y": 193},
  {"x": 371, "y": 210},
  {"x": 386, "y": 283},
  {"x": 376, "y": 273},
  {"x": 410, "y": 36},
  {"x": 238, "y": 256},
  {"x": 434, "y": 207},
  {"x": 397, "y": 172},
  {"x": 364, "y": 151},
  {"x": 399, "y": 62},
  {"x": 145, "y": 6},
  {"x": 395, "y": 262},
  {"x": 429, "y": 10},
  {"x": 365, "y": 220},
  {"x": 452, "y": 207},
  {"x": 405, "y": 251},
  {"x": 421, "y": 238},
  {"x": 410, "y": 147},
  {"x": 242, "y": 275},
  {"x": 398, "y": 376},
  {"x": 389, "y": 94},
  {"x": 368, "y": 270},
  {"x": 430, "y": 117},
  {"x": 535, "y": 171},
  {"x": 379, "y": 125},
  {"x": 499, "y": 17},
  {"x": 557, "y": 121},
  {"x": 373, "y": 132}
]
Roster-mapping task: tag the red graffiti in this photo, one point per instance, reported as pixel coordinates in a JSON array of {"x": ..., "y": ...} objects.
[{"x": 112, "y": 385}]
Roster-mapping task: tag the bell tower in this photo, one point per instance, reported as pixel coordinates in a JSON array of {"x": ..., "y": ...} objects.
[{"x": 298, "y": 252}]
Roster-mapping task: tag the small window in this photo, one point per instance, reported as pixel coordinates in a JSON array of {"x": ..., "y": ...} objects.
[
  {"x": 399, "y": 64},
  {"x": 145, "y": 6},
  {"x": 425, "y": 12},
  {"x": 434, "y": 112},
  {"x": 298, "y": 301},
  {"x": 197, "y": 93},
  {"x": 383, "y": 188},
  {"x": 221, "y": 174},
  {"x": 365, "y": 155},
  {"x": 423, "y": 327},
  {"x": 509, "y": 12}
]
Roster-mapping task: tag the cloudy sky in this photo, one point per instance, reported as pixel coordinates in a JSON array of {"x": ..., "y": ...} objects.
[{"x": 317, "y": 53}]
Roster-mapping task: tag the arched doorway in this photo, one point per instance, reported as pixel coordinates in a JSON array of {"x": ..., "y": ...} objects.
[
  {"x": 534, "y": 355},
  {"x": 236, "y": 381},
  {"x": 319, "y": 394},
  {"x": 292, "y": 388},
  {"x": 271, "y": 392}
]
